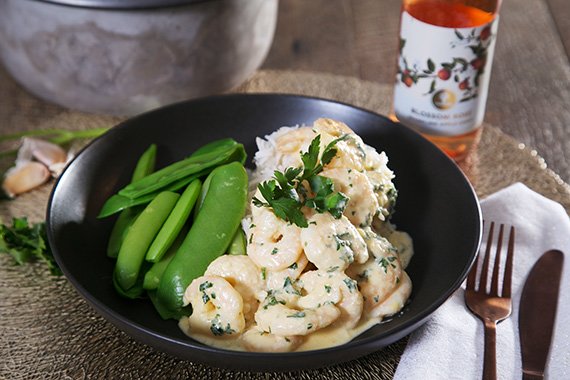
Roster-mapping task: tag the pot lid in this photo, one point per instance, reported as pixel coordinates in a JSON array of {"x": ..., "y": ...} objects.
[{"x": 123, "y": 4}]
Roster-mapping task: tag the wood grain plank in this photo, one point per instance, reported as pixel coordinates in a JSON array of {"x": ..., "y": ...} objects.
[
  {"x": 376, "y": 25},
  {"x": 529, "y": 95},
  {"x": 560, "y": 10},
  {"x": 313, "y": 35}
]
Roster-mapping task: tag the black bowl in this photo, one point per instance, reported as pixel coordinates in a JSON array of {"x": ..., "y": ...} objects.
[{"x": 436, "y": 205}]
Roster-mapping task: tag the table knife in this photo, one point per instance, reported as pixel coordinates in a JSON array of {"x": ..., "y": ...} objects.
[{"x": 537, "y": 313}]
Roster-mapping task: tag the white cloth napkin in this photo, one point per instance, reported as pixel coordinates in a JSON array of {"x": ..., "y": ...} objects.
[{"x": 450, "y": 344}]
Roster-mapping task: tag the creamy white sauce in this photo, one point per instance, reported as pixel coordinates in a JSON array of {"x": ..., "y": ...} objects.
[{"x": 333, "y": 335}]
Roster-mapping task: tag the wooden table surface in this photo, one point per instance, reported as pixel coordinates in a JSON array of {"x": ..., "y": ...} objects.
[{"x": 529, "y": 96}]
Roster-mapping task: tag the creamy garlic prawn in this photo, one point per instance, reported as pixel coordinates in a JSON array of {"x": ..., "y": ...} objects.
[{"x": 304, "y": 288}]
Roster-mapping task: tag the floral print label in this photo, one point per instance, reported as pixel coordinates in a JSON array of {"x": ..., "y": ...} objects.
[{"x": 443, "y": 76}]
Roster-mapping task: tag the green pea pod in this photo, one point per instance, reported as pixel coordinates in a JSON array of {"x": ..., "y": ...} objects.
[
  {"x": 238, "y": 244},
  {"x": 176, "y": 220},
  {"x": 203, "y": 193},
  {"x": 140, "y": 236},
  {"x": 222, "y": 152},
  {"x": 175, "y": 176},
  {"x": 163, "y": 311},
  {"x": 210, "y": 234},
  {"x": 145, "y": 164},
  {"x": 119, "y": 231},
  {"x": 144, "y": 167},
  {"x": 152, "y": 277},
  {"x": 137, "y": 290},
  {"x": 118, "y": 202},
  {"x": 154, "y": 274}
]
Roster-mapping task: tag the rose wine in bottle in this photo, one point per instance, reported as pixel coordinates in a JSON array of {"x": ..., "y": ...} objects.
[{"x": 444, "y": 66}]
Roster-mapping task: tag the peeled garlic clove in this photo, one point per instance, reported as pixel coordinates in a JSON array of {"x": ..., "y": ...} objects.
[
  {"x": 25, "y": 177},
  {"x": 47, "y": 153}
]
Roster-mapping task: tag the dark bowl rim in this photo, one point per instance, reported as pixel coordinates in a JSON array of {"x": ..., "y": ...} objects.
[{"x": 126, "y": 325}]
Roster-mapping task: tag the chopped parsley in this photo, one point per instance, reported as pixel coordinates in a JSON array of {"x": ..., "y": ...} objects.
[
  {"x": 205, "y": 285},
  {"x": 218, "y": 329},
  {"x": 272, "y": 301},
  {"x": 27, "y": 242},
  {"x": 299, "y": 314},
  {"x": 342, "y": 240},
  {"x": 286, "y": 194},
  {"x": 350, "y": 284},
  {"x": 385, "y": 262},
  {"x": 288, "y": 286}
]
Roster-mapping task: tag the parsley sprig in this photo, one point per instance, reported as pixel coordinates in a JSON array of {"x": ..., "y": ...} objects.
[
  {"x": 286, "y": 195},
  {"x": 27, "y": 242}
]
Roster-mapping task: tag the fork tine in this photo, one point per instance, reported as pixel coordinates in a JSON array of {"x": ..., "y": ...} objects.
[
  {"x": 473, "y": 274},
  {"x": 509, "y": 264},
  {"x": 485, "y": 268},
  {"x": 494, "y": 291}
]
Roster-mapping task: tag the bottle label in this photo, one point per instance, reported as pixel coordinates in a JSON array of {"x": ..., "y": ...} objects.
[{"x": 443, "y": 76}]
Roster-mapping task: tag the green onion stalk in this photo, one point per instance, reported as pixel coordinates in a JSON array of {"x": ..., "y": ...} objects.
[{"x": 55, "y": 136}]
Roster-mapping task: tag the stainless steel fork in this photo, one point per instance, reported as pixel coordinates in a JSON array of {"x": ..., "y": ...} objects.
[{"x": 491, "y": 305}]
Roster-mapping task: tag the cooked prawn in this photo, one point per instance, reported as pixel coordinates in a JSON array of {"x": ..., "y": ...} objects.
[
  {"x": 290, "y": 144},
  {"x": 362, "y": 202},
  {"x": 350, "y": 147},
  {"x": 272, "y": 243},
  {"x": 246, "y": 277},
  {"x": 396, "y": 300},
  {"x": 217, "y": 308},
  {"x": 378, "y": 277},
  {"x": 332, "y": 287},
  {"x": 277, "y": 279},
  {"x": 332, "y": 244},
  {"x": 280, "y": 319}
]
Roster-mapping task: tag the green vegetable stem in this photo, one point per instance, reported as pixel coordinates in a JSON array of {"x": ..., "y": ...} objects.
[
  {"x": 139, "y": 237},
  {"x": 210, "y": 235},
  {"x": 145, "y": 166},
  {"x": 55, "y": 136}
]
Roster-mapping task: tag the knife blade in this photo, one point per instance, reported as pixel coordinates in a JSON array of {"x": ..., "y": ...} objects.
[{"x": 537, "y": 312}]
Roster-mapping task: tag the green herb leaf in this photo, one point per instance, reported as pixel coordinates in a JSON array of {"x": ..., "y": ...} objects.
[
  {"x": 27, "y": 242},
  {"x": 286, "y": 194}
]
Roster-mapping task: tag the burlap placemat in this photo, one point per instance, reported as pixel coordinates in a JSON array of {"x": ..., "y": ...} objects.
[{"x": 48, "y": 331}]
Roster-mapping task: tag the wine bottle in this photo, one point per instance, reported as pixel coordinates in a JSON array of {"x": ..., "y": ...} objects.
[{"x": 444, "y": 66}]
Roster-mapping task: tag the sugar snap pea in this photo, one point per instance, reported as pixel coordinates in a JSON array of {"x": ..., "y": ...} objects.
[
  {"x": 210, "y": 235},
  {"x": 174, "y": 223},
  {"x": 140, "y": 236},
  {"x": 210, "y": 155},
  {"x": 135, "y": 291},
  {"x": 153, "y": 275},
  {"x": 175, "y": 176},
  {"x": 145, "y": 166}
]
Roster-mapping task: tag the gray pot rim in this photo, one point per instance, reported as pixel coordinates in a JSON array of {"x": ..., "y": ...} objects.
[{"x": 123, "y": 4}]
